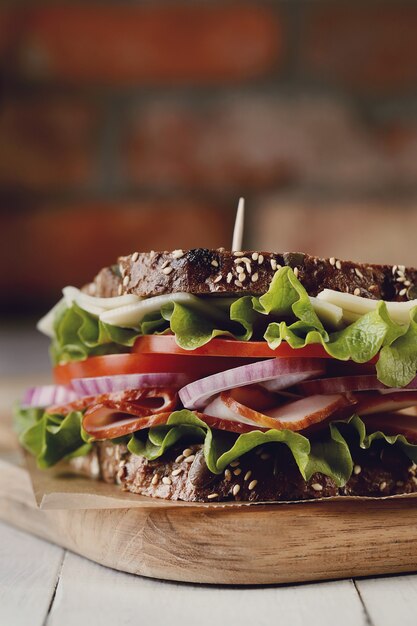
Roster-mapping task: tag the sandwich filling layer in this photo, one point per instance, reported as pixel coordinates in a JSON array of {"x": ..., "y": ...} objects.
[{"x": 280, "y": 395}]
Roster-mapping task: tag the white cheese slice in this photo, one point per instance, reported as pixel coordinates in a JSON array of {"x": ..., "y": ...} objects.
[
  {"x": 131, "y": 315},
  {"x": 46, "y": 323},
  {"x": 84, "y": 300},
  {"x": 328, "y": 313},
  {"x": 355, "y": 306}
]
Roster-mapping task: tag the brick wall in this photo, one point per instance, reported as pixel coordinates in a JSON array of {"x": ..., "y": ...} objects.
[{"x": 128, "y": 125}]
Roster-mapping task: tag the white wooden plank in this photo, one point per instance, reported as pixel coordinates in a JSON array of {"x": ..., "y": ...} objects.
[
  {"x": 390, "y": 600},
  {"x": 91, "y": 594},
  {"x": 29, "y": 568}
]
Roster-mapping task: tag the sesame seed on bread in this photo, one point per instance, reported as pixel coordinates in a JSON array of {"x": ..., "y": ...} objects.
[
  {"x": 260, "y": 475},
  {"x": 203, "y": 272}
]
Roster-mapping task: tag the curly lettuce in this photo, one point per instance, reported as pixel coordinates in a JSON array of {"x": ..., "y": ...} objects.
[
  {"x": 52, "y": 438},
  {"x": 283, "y": 313}
]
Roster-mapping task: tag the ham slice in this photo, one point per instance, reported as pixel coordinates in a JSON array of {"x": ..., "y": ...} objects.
[
  {"x": 251, "y": 407},
  {"x": 384, "y": 402},
  {"x": 117, "y": 414},
  {"x": 393, "y": 424},
  {"x": 76, "y": 405}
]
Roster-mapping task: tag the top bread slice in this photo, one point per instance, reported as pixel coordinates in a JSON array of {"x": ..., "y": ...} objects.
[{"x": 204, "y": 272}]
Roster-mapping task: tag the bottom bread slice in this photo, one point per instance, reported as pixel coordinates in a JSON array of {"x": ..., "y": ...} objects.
[{"x": 258, "y": 476}]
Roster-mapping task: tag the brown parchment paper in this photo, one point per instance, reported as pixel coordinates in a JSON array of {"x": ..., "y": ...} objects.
[{"x": 61, "y": 488}]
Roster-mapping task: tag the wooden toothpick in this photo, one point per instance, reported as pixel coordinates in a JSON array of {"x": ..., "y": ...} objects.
[{"x": 239, "y": 225}]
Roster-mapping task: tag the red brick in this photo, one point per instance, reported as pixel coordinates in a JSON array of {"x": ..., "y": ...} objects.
[
  {"x": 367, "y": 230},
  {"x": 50, "y": 247},
  {"x": 9, "y": 26},
  {"x": 372, "y": 48},
  {"x": 46, "y": 144},
  {"x": 151, "y": 43},
  {"x": 262, "y": 142},
  {"x": 223, "y": 145}
]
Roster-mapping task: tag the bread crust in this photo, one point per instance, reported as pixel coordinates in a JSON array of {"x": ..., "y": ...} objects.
[
  {"x": 261, "y": 475},
  {"x": 205, "y": 272}
]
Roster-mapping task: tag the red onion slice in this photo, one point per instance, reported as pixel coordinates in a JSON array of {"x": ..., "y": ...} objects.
[
  {"x": 45, "y": 395},
  {"x": 284, "y": 372},
  {"x": 122, "y": 382},
  {"x": 244, "y": 406},
  {"x": 343, "y": 384}
]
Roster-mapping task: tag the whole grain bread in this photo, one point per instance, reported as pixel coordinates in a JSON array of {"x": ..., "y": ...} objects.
[
  {"x": 206, "y": 272},
  {"x": 261, "y": 475}
]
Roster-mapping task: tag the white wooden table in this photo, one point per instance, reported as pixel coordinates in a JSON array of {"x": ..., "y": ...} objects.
[{"x": 42, "y": 584}]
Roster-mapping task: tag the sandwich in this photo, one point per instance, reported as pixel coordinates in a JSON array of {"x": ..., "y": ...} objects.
[{"x": 213, "y": 376}]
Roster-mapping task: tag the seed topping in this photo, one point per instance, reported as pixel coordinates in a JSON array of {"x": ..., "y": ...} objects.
[
  {"x": 236, "y": 490},
  {"x": 252, "y": 484},
  {"x": 166, "y": 480},
  {"x": 317, "y": 487}
]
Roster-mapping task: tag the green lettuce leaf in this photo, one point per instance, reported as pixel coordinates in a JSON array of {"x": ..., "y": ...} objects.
[
  {"x": 397, "y": 363},
  {"x": 79, "y": 334},
  {"x": 283, "y": 313},
  {"x": 330, "y": 453},
  {"x": 360, "y": 341},
  {"x": 365, "y": 440},
  {"x": 51, "y": 438},
  {"x": 192, "y": 329}
]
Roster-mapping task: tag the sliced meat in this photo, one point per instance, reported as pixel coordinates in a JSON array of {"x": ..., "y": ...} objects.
[
  {"x": 259, "y": 408},
  {"x": 117, "y": 414}
]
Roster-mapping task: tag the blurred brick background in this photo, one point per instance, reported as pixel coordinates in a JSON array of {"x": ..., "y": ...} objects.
[{"x": 134, "y": 125}]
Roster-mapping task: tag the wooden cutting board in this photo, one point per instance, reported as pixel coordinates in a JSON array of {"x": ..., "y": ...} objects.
[{"x": 247, "y": 545}]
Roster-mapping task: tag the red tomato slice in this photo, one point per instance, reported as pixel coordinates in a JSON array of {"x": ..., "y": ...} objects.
[
  {"x": 112, "y": 364},
  {"x": 166, "y": 344}
]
